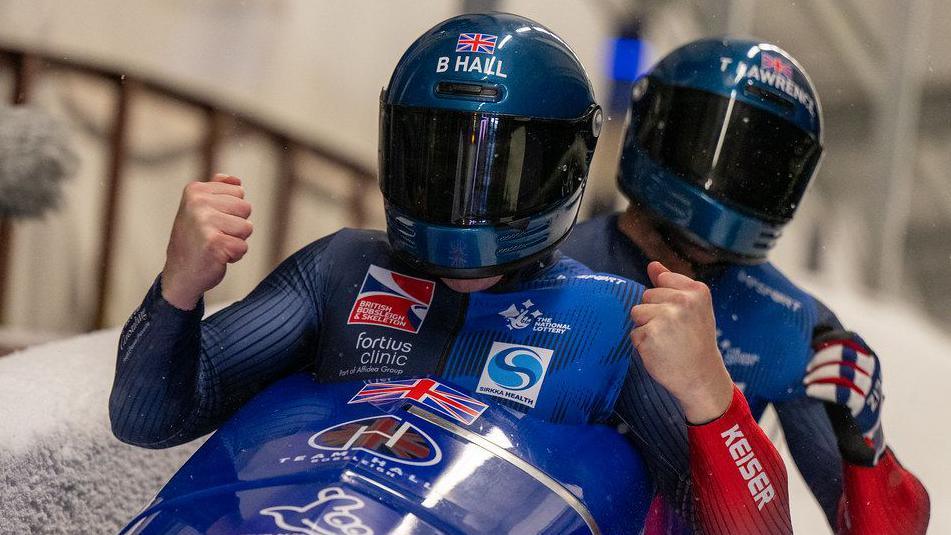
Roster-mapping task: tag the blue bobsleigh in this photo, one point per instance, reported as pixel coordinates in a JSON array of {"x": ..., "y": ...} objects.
[{"x": 412, "y": 456}]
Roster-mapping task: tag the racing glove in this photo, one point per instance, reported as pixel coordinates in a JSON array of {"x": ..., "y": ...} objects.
[
  {"x": 847, "y": 375},
  {"x": 879, "y": 495}
]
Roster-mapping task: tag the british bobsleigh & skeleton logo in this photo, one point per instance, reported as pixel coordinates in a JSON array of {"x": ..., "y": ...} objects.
[{"x": 391, "y": 299}]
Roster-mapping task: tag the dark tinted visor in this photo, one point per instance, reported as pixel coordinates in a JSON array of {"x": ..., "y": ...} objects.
[
  {"x": 738, "y": 153},
  {"x": 462, "y": 168}
]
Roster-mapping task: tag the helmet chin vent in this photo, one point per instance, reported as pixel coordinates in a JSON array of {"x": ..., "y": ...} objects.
[{"x": 481, "y": 92}]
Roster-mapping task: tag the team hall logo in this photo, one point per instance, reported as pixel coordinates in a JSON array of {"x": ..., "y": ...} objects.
[
  {"x": 388, "y": 437},
  {"x": 392, "y": 300},
  {"x": 334, "y": 512},
  {"x": 515, "y": 372}
]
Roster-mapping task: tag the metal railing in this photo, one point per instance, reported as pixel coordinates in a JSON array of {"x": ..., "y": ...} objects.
[{"x": 27, "y": 66}]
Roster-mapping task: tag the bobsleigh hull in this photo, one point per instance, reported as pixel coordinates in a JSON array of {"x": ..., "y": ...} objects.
[{"x": 358, "y": 459}]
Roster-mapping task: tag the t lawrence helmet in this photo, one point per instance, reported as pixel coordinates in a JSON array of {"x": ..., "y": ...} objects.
[
  {"x": 724, "y": 137},
  {"x": 487, "y": 128}
]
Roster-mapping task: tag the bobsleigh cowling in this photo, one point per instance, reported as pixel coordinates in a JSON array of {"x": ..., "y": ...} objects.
[{"x": 410, "y": 456}]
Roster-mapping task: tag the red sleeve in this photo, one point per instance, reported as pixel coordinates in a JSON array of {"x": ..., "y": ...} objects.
[
  {"x": 739, "y": 479},
  {"x": 883, "y": 499}
]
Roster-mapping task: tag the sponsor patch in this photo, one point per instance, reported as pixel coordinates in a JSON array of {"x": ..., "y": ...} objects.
[
  {"x": 764, "y": 289},
  {"x": 432, "y": 394},
  {"x": 391, "y": 299},
  {"x": 734, "y": 355},
  {"x": 749, "y": 466},
  {"x": 602, "y": 278},
  {"x": 333, "y": 512},
  {"x": 388, "y": 437},
  {"x": 514, "y": 372},
  {"x": 519, "y": 317}
]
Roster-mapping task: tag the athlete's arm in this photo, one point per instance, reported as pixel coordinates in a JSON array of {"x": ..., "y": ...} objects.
[
  {"x": 178, "y": 377},
  {"x": 813, "y": 447},
  {"x": 738, "y": 478},
  {"x": 879, "y": 495}
]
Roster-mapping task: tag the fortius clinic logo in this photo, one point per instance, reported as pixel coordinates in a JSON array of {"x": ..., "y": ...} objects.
[{"x": 515, "y": 372}]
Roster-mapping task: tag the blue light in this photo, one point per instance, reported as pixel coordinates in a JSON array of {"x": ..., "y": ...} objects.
[{"x": 626, "y": 63}]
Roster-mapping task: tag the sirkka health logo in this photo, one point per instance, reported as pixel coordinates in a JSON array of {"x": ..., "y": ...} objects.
[{"x": 393, "y": 300}]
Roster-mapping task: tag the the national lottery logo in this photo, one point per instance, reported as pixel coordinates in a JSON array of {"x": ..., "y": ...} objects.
[
  {"x": 476, "y": 42},
  {"x": 519, "y": 317},
  {"x": 391, "y": 299},
  {"x": 515, "y": 372},
  {"x": 332, "y": 513},
  {"x": 387, "y": 437}
]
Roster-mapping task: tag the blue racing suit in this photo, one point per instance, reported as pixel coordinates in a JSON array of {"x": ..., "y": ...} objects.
[
  {"x": 553, "y": 342},
  {"x": 766, "y": 327}
]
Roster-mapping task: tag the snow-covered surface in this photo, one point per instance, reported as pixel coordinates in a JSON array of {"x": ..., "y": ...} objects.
[{"x": 61, "y": 471}]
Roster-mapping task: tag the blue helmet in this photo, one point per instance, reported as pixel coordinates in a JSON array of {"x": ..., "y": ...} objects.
[
  {"x": 724, "y": 137},
  {"x": 487, "y": 128}
]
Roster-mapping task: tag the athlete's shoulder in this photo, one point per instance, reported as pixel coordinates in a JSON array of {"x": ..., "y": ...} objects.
[
  {"x": 776, "y": 289},
  {"x": 589, "y": 284},
  {"x": 361, "y": 240},
  {"x": 343, "y": 243},
  {"x": 824, "y": 317},
  {"x": 340, "y": 256}
]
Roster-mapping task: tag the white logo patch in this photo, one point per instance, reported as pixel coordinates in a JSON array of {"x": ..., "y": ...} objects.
[
  {"x": 520, "y": 318},
  {"x": 514, "y": 372},
  {"x": 331, "y": 514}
]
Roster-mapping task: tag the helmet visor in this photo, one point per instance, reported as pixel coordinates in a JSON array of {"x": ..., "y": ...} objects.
[
  {"x": 461, "y": 168},
  {"x": 747, "y": 157}
]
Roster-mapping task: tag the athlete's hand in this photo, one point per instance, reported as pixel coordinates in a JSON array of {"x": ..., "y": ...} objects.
[
  {"x": 210, "y": 231},
  {"x": 675, "y": 334},
  {"x": 846, "y": 374}
]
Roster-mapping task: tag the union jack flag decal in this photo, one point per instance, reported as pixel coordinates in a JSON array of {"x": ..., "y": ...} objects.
[
  {"x": 476, "y": 42},
  {"x": 776, "y": 63},
  {"x": 429, "y": 393}
]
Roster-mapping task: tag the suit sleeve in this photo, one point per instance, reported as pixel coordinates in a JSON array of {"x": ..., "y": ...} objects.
[
  {"x": 884, "y": 499},
  {"x": 721, "y": 477},
  {"x": 813, "y": 447},
  {"x": 877, "y": 498},
  {"x": 739, "y": 480},
  {"x": 178, "y": 377}
]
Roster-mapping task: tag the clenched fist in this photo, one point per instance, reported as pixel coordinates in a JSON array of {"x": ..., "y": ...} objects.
[
  {"x": 210, "y": 231},
  {"x": 675, "y": 334}
]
